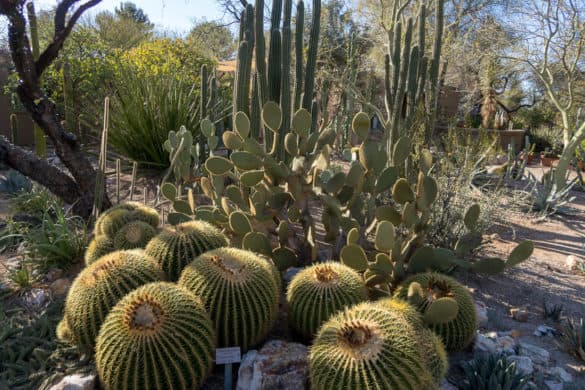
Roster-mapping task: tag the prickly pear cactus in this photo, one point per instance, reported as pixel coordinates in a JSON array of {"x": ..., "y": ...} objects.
[
  {"x": 319, "y": 291},
  {"x": 134, "y": 235},
  {"x": 157, "y": 337},
  {"x": 99, "y": 287},
  {"x": 239, "y": 290},
  {"x": 367, "y": 347},
  {"x": 446, "y": 305},
  {"x": 98, "y": 247},
  {"x": 177, "y": 246}
]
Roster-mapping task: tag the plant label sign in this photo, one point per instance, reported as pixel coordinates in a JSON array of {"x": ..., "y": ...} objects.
[{"x": 228, "y": 355}]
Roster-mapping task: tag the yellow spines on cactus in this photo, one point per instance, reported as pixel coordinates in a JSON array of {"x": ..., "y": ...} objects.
[
  {"x": 99, "y": 287},
  {"x": 367, "y": 347},
  {"x": 134, "y": 235},
  {"x": 63, "y": 332},
  {"x": 98, "y": 247},
  {"x": 319, "y": 291},
  {"x": 239, "y": 291},
  {"x": 116, "y": 217},
  {"x": 157, "y": 337},
  {"x": 177, "y": 246},
  {"x": 458, "y": 332}
]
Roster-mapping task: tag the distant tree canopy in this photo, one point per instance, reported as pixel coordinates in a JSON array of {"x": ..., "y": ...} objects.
[
  {"x": 126, "y": 27},
  {"x": 213, "y": 39}
]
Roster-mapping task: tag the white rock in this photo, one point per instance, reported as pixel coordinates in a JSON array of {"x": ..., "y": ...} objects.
[
  {"x": 537, "y": 354},
  {"x": 523, "y": 364},
  {"x": 76, "y": 382},
  {"x": 552, "y": 385},
  {"x": 506, "y": 344},
  {"x": 560, "y": 373},
  {"x": 481, "y": 313},
  {"x": 573, "y": 263},
  {"x": 60, "y": 286},
  {"x": 36, "y": 297},
  {"x": 543, "y": 330},
  {"x": 277, "y": 365},
  {"x": 484, "y": 344}
]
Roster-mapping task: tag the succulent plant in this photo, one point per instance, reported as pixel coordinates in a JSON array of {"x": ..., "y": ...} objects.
[
  {"x": 175, "y": 247},
  {"x": 318, "y": 292},
  {"x": 98, "y": 247},
  {"x": 493, "y": 372},
  {"x": 367, "y": 347},
  {"x": 239, "y": 291},
  {"x": 157, "y": 337},
  {"x": 446, "y": 305},
  {"x": 63, "y": 332},
  {"x": 99, "y": 287},
  {"x": 116, "y": 217},
  {"x": 134, "y": 235}
]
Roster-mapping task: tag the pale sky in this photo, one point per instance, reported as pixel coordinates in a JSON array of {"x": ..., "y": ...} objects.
[{"x": 174, "y": 15}]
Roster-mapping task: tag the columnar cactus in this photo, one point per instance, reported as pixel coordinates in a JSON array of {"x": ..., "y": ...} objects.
[
  {"x": 319, "y": 291},
  {"x": 239, "y": 291},
  {"x": 133, "y": 235},
  {"x": 367, "y": 347},
  {"x": 177, "y": 246},
  {"x": 447, "y": 307},
  {"x": 99, "y": 287},
  {"x": 98, "y": 247},
  {"x": 157, "y": 337}
]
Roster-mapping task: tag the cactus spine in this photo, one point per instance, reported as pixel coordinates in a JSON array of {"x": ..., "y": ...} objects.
[
  {"x": 240, "y": 292},
  {"x": 367, "y": 347},
  {"x": 319, "y": 291},
  {"x": 99, "y": 286},
  {"x": 157, "y": 337}
]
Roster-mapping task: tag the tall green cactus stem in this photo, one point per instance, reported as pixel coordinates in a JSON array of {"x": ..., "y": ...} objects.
[
  {"x": 203, "y": 106},
  {"x": 367, "y": 347},
  {"x": 312, "y": 56},
  {"x": 285, "y": 87},
  {"x": 244, "y": 62},
  {"x": 240, "y": 292},
  {"x": 158, "y": 337},
  {"x": 318, "y": 292},
  {"x": 118, "y": 182},
  {"x": 175, "y": 247},
  {"x": 260, "y": 52},
  {"x": 14, "y": 129},
  {"x": 40, "y": 141},
  {"x": 99, "y": 287},
  {"x": 100, "y": 179},
  {"x": 255, "y": 110},
  {"x": 458, "y": 332},
  {"x": 133, "y": 181},
  {"x": 299, "y": 44},
  {"x": 275, "y": 66}
]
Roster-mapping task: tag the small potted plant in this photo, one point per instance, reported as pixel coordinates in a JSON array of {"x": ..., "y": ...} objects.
[{"x": 548, "y": 158}]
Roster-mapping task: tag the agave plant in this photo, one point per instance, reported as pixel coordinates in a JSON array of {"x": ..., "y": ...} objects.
[
  {"x": 494, "y": 372},
  {"x": 573, "y": 337}
]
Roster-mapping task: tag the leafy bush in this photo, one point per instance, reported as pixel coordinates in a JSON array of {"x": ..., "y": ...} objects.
[
  {"x": 494, "y": 372},
  {"x": 546, "y": 138},
  {"x": 36, "y": 202},
  {"x": 145, "y": 109}
]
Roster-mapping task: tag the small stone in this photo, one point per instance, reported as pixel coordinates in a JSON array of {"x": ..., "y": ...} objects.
[
  {"x": 60, "y": 286},
  {"x": 481, "y": 313},
  {"x": 289, "y": 274},
  {"x": 519, "y": 314},
  {"x": 560, "y": 373},
  {"x": 484, "y": 344},
  {"x": 543, "y": 330},
  {"x": 524, "y": 364},
  {"x": 76, "y": 382},
  {"x": 515, "y": 333},
  {"x": 277, "y": 365},
  {"x": 446, "y": 385},
  {"x": 537, "y": 354},
  {"x": 552, "y": 385},
  {"x": 492, "y": 335},
  {"x": 506, "y": 344},
  {"x": 54, "y": 274},
  {"x": 36, "y": 297},
  {"x": 574, "y": 263}
]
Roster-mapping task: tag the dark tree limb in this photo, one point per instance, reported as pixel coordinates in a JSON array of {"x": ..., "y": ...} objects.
[{"x": 44, "y": 111}]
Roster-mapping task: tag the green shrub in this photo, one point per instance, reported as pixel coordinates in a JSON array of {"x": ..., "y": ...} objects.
[{"x": 36, "y": 202}]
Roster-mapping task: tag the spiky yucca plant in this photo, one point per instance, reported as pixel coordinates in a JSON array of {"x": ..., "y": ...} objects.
[
  {"x": 157, "y": 337},
  {"x": 98, "y": 247},
  {"x": 116, "y": 217},
  {"x": 367, "y": 347},
  {"x": 99, "y": 287},
  {"x": 133, "y": 235},
  {"x": 239, "y": 291},
  {"x": 456, "y": 333},
  {"x": 319, "y": 291},
  {"x": 177, "y": 246}
]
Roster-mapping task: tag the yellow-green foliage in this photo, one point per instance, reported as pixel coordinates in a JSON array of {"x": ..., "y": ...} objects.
[
  {"x": 133, "y": 235},
  {"x": 99, "y": 287},
  {"x": 98, "y": 247},
  {"x": 459, "y": 332},
  {"x": 239, "y": 291},
  {"x": 116, "y": 217},
  {"x": 368, "y": 347},
  {"x": 319, "y": 291},
  {"x": 177, "y": 246},
  {"x": 157, "y": 337}
]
